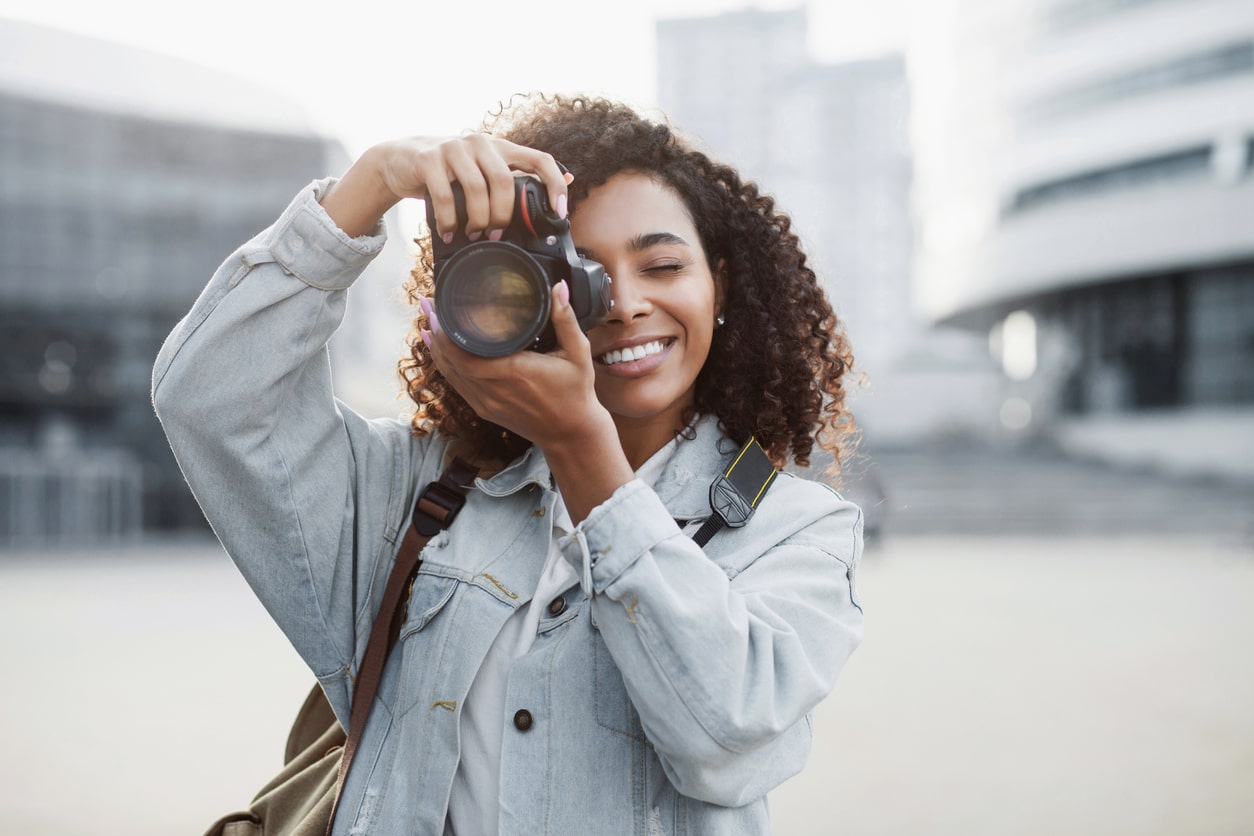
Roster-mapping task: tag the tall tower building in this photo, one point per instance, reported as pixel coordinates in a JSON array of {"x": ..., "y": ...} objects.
[
  {"x": 831, "y": 142},
  {"x": 718, "y": 75}
]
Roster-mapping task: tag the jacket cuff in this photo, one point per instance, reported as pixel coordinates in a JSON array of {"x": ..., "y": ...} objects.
[
  {"x": 616, "y": 534},
  {"x": 306, "y": 243}
]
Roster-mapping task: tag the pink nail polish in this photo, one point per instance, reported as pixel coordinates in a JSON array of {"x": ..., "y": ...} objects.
[
  {"x": 474, "y": 236},
  {"x": 426, "y": 336},
  {"x": 563, "y": 293},
  {"x": 561, "y": 205},
  {"x": 495, "y": 235},
  {"x": 428, "y": 309},
  {"x": 447, "y": 237}
]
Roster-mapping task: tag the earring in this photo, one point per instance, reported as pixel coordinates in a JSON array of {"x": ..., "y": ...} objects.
[{"x": 720, "y": 320}]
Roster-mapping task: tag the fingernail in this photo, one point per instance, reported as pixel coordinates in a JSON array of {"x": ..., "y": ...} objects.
[
  {"x": 447, "y": 238},
  {"x": 495, "y": 235},
  {"x": 570, "y": 178},
  {"x": 429, "y": 311},
  {"x": 474, "y": 236},
  {"x": 426, "y": 336},
  {"x": 563, "y": 293},
  {"x": 561, "y": 205}
]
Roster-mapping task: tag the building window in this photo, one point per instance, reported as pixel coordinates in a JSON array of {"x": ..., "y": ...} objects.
[
  {"x": 1184, "y": 164},
  {"x": 1220, "y": 331},
  {"x": 1212, "y": 65},
  {"x": 1075, "y": 14}
]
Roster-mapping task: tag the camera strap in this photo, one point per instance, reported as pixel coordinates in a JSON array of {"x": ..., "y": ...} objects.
[{"x": 736, "y": 492}]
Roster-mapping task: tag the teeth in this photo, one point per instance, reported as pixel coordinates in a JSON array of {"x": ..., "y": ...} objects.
[{"x": 627, "y": 355}]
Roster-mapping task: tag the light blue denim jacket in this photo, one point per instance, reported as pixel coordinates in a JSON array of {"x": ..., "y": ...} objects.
[{"x": 669, "y": 691}]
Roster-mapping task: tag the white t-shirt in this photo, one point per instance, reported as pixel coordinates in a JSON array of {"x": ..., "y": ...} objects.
[{"x": 474, "y": 802}]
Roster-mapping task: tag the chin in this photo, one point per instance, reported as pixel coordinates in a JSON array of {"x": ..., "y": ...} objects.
[{"x": 641, "y": 407}]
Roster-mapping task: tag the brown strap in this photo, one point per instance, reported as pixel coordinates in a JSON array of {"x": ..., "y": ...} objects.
[{"x": 435, "y": 509}]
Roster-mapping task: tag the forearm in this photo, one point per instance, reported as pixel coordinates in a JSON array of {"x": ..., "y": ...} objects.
[
  {"x": 243, "y": 390},
  {"x": 262, "y": 322},
  {"x": 724, "y": 657}
]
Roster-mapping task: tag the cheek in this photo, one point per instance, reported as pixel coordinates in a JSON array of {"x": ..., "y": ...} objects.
[{"x": 701, "y": 315}]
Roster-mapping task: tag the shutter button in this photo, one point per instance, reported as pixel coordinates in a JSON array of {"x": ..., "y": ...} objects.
[
  {"x": 557, "y": 606},
  {"x": 523, "y": 720}
]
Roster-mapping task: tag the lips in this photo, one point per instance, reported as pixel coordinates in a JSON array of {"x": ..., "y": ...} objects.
[{"x": 633, "y": 353}]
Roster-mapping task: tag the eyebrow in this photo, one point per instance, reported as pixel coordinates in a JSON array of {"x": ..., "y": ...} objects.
[{"x": 644, "y": 241}]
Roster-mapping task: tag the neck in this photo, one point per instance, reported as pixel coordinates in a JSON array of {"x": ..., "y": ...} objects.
[{"x": 640, "y": 439}]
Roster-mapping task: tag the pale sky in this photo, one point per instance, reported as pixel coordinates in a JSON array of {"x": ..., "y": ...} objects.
[{"x": 388, "y": 69}]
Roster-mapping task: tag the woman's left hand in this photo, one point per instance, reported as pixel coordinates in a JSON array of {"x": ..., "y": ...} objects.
[{"x": 548, "y": 399}]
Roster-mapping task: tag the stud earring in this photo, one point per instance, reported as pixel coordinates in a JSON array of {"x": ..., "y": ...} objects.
[{"x": 720, "y": 320}]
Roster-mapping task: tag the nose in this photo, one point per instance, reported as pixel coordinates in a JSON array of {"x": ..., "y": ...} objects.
[{"x": 628, "y": 301}]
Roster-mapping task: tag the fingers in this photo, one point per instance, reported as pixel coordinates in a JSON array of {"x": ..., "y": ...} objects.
[
  {"x": 466, "y": 168},
  {"x": 546, "y": 168},
  {"x": 440, "y": 196},
  {"x": 571, "y": 339},
  {"x": 484, "y": 167},
  {"x": 500, "y": 181}
]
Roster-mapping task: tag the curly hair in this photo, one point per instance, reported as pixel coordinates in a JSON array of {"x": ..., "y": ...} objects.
[{"x": 776, "y": 368}]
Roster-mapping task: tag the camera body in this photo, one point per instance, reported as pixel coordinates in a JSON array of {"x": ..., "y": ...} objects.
[{"x": 494, "y": 298}]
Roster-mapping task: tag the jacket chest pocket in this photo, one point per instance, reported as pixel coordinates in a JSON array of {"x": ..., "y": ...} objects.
[
  {"x": 422, "y": 636},
  {"x": 612, "y": 706}
]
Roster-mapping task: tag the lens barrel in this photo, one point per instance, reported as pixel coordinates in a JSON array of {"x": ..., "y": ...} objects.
[{"x": 493, "y": 298}]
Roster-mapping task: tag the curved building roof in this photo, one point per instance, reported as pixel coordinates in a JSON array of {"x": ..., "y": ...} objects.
[
  {"x": 45, "y": 63},
  {"x": 1076, "y": 142}
]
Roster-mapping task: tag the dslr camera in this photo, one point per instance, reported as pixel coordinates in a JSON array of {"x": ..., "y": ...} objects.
[{"x": 493, "y": 298}]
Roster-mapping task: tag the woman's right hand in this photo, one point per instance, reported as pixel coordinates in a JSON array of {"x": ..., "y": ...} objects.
[{"x": 427, "y": 166}]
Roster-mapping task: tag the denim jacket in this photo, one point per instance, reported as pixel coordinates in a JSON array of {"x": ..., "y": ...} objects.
[{"x": 667, "y": 692}]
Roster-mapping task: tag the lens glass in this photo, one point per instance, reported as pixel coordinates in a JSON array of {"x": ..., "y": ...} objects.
[{"x": 493, "y": 298}]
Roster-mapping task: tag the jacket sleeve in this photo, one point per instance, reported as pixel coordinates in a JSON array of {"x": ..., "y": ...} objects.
[
  {"x": 724, "y": 665},
  {"x": 242, "y": 387}
]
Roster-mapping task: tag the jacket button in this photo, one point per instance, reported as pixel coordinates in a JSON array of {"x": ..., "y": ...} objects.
[
  {"x": 557, "y": 606},
  {"x": 523, "y": 720}
]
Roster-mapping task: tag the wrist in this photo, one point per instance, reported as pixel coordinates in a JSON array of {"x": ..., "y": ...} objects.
[
  {"x": 361, "y": 197},
  {"x": 589, "y": 467}
]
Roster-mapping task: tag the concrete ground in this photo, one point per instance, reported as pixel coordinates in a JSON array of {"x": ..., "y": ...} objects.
[
  {"x": 1040, "y": 686},
  {"x": 1025, "y": 685}
]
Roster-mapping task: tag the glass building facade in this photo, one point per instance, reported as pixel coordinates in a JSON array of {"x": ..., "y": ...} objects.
[
  {"x": 110, "y": 224},
  {"x": 1091, "y": 163}
]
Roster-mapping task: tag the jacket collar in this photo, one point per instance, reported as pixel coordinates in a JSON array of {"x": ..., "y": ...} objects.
[
  {"x": 528, "y": 469},
  {"x": 683, "y": 487}
]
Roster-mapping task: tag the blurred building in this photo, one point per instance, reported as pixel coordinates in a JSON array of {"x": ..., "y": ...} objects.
[
  {"x": 1085, "y": 180},
  {"x": 831, "y": 143},
  {"x": 125, "y": 179}
]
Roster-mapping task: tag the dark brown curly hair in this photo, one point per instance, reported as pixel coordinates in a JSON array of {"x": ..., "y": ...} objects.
[{"x": 776, "y": 368}]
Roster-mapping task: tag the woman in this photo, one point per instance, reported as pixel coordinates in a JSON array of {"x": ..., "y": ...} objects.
[{"x": 571, "y": 662}]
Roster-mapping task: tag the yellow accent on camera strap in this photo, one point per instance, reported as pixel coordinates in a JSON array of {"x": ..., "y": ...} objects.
[{"x": 735, "y": 494}]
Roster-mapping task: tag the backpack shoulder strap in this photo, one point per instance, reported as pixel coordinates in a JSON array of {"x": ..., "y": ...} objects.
[{"x": 436, "y": 508}]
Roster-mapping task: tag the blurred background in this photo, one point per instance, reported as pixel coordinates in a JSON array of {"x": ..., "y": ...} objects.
[{"x": 1036, "y": 218}]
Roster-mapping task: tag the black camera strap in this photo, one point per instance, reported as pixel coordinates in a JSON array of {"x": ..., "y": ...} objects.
[{"x": 735, "y": 494}]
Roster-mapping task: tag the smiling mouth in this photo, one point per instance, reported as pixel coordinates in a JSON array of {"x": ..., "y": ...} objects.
[{"x": 637, "y": 352}]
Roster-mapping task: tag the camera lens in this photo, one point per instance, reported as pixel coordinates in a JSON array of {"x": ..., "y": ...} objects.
[{"x": 492, "y": 298}]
